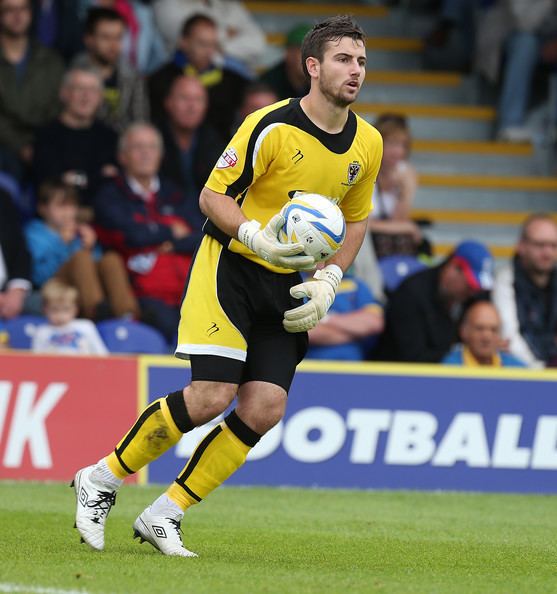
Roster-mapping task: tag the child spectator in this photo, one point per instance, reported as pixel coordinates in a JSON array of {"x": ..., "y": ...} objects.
[
  {"x": 64, "y": 334},
  {"x": 61, "y": 246}
]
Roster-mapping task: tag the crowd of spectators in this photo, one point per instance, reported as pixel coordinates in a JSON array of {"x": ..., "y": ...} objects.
[{"x": 107, "y": 137}]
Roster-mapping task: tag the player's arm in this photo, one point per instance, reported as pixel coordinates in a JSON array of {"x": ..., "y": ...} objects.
[
  {"x": 321, "y": 291},
  {"x": 355, "y": 233},
  {"x": 225, "y": 213}
]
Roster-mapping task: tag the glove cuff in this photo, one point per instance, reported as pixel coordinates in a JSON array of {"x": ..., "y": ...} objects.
[
  {"x": 247, "y": 231},
  {"x": 331, "y": 274}
]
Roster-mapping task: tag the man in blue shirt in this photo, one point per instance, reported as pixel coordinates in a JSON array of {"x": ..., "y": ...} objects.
[
  {"x": 351, "y": 326},
  {"x": 480, "y": 332}
]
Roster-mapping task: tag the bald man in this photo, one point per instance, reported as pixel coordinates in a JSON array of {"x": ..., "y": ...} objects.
[{"x": 480, "y": 333}]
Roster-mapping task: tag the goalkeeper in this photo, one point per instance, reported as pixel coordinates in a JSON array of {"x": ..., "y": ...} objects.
[{"x": 243, "y": 322}]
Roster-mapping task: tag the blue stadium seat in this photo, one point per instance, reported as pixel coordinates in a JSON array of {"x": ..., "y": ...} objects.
[
  {"x": 127, "y": 336},
  {"x": 21, "y": 330},
  {"x": 396, "y": 268}
]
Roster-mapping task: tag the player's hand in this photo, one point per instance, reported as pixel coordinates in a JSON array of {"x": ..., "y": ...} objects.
[
  {"x": 264, "y": 242},
  {"x": 320, "y": 293}
]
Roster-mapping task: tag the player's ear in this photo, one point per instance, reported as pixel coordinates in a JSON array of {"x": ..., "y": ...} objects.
[{"x": 312, "y": 64}]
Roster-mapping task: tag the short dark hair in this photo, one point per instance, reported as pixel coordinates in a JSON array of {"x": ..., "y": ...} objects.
[
  {"x": 331, "y": 29},
  {"x": 97, "y": 14},
  {"x": 51, "y": 187},
  {"x": 191, "y": 22}
]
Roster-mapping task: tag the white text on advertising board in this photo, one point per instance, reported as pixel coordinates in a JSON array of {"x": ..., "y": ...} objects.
[
  {"x": 412, "y": 438},
  {"x": 27, "y": 425}
]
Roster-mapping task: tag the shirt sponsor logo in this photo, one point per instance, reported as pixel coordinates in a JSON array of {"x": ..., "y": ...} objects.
[{"x": 228, "y": 159}]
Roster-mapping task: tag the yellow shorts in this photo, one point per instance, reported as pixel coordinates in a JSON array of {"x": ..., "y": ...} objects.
[{"x": 234, "y": 308}]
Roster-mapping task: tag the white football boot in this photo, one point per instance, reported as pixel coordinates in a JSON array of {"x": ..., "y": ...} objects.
[
  {"x": 163, "y": 532},
  {"x": 94, "y": 502}
]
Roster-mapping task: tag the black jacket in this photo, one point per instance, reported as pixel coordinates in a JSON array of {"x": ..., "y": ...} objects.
[
  {"x": 419, "y": 326},
  {"x": 208, "y": 147},
  {"x": 537, "y": 313},
  {"x": 14, "y": 249}
]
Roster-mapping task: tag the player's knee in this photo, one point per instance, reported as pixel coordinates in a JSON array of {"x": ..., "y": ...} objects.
[
  {"x": 264, "y": 418},
  {"x": 209, "y": 399}
]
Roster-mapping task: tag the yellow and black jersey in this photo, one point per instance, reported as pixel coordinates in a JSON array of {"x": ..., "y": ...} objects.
[{"x": 278, "y": 151}]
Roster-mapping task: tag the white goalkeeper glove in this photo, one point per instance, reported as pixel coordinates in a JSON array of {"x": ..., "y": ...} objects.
[
  {"x": 264, "y": 242},
  {"x": 320, "y": 293}
]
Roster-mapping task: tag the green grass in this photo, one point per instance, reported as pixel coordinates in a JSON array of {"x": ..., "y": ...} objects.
[{"x": 263, "y": 540}]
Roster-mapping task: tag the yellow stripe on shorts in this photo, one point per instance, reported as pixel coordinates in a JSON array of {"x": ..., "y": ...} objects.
[{"x": 204, "y": 327}]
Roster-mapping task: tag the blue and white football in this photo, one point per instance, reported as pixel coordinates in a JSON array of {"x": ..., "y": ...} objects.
[{"x": 316, "y": 222}]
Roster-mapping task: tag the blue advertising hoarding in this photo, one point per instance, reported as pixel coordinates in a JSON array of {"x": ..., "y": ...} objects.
[{"x": 392, "y": 426}]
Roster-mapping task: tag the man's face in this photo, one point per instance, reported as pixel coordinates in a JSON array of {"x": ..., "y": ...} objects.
[
  {"x": 82, "y": 95},
  {"x": 105, "y": 43},
  {"x": 142, "y": 153},
  {"x": 15, "y": 17},
  {"x": 342, "y": 71},
  {"x": 537, "y": 250},
  {"x": 454, "y": 285},
  {"x": 201, "y": 45},
  {"x": 480, "y": 331},
  {"x": 255, "y": 101},
  {"x": 186, "y": 104}
]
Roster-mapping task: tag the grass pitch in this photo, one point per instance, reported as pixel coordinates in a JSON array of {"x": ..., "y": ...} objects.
[{"x": 265, "y": 540}]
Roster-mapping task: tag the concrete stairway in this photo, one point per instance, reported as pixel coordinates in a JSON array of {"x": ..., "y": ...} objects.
[{"x": 470, "y": 187}]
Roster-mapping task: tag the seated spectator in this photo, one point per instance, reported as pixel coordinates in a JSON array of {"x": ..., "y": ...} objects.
[
  {"x": 30, "y": 75},
  {"x": 287, "y": 78},
  {"x": 256, "y": 96},
  {"x": 15, "y": 264},
  {"x": 144, "y": 217},
  {"x": 196, "y": 56},
  {"x": 125, "y": 98},
  {"x": 525, "y": 35},
  {"x": 62, "y": 247},
  {"x": 77, "y": 146},
  {"x": 351, "y": 325},
  {"x": 64, "y": 334},
  {"x": 191, "y": 147},
  {"x": 390, "y": 225},
  {"x": 423, "y": 313},
  {"x": 525, "y": 294},
  {"x": 143, "y": 46},
  {"x": 56, "y": 24},
  {"x": 239, "y": 35},
  {"x": 480, "y": 335}
]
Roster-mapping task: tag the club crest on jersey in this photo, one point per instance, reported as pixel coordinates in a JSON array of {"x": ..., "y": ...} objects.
[
  {"x": 228, "y": 159},
  {"x": 353, "y": 172}
]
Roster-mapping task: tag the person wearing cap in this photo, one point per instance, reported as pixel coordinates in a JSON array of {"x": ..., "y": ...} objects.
[
  {"x": 525, "y": 293},
  {"x": 480, "y": 335},
  {"x": 287, "y": 78},
  {"x": 423, "y": 313}
]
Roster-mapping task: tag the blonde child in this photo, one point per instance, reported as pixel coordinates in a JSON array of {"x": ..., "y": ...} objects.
[{"x": 64, "y": 333}]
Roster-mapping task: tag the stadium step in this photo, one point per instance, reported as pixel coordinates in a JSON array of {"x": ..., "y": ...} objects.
[
  {"x": 384, "y": 86},
  {"x": 459, "y": 157},
  {"x": 437, "y": 122},
  {"x": 375, "y": 20}
]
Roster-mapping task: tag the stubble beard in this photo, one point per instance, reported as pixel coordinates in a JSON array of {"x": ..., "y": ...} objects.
[{"x": 335, "y": 98}]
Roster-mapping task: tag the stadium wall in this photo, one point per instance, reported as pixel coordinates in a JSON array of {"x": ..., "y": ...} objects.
[{"x": 347, "y": 425}]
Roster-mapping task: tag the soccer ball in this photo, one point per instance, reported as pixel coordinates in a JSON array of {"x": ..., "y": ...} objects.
[{"x": 314, "y": 221}]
